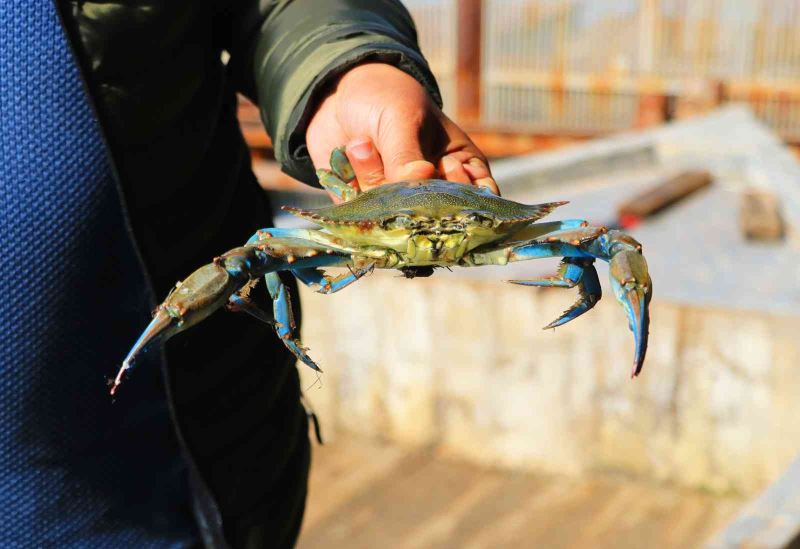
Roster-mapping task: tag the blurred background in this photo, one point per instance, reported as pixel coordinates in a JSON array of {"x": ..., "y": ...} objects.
[{"x": 452, "y": 420}]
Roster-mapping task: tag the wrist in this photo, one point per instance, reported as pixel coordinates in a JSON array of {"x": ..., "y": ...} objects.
[{"x": 377, "y": 75}]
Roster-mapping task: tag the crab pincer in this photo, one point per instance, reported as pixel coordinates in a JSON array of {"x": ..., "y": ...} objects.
[
  {"x": 193, "y": 300},
  {"x": 633, "y": 288}
]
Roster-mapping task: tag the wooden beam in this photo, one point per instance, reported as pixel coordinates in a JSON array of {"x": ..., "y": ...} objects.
[
  {"x": 662, "y": 196},
  {"x": 468, "y": 61}
]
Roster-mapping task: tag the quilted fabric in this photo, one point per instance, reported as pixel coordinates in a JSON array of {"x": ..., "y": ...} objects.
[{"x": 76, "y": 469}]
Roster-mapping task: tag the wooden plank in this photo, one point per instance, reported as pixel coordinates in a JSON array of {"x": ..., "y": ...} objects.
[
  {"x": 391, "y": 506},
  {"x": 760, "y": 216},
  {"x": 337, "y": 476},
  {"x": 475, "y": 525},
  {"x": 417, "y": 500}
]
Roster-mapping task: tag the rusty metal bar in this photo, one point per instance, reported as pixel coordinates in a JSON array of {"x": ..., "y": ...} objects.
[{"x": 468, "y": 61}]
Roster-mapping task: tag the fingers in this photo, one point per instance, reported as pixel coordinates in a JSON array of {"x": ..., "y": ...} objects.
[
  {"x": 370, "y": 170},
  {"x": 478, "y": 170},
  {"x": 398, "y": 141},
  {"x": 468, "y": 166},
  {"x": 366, "y": 162},
  {"x": 463, "y": 166},
  {"x": 416, "y": 169},
  {"x": 453, "y": 170}
]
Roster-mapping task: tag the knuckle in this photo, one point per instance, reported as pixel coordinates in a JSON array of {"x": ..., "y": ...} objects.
[
  {"x": 371, "y": 177},
  {"x": 398, "y": 158}
]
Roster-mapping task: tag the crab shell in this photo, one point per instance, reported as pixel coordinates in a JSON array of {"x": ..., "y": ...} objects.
[{"x": 428, "y": 222}]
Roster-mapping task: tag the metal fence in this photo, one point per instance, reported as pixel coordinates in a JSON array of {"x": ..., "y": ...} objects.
[
  {"x": 583, "y": 65},
  {"x": 436, "y": 27}
]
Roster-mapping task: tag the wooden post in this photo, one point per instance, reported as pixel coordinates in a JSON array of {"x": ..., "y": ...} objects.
[
  {"x": 468, "y": 62},
  {"x": 652, "y": 110}
]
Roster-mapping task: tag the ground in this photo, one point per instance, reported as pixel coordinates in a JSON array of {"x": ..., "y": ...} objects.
[{"x": 364, "y": 495}]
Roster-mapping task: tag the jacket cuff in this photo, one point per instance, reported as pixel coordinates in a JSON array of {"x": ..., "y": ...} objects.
[{"x": 294, "y": 94}]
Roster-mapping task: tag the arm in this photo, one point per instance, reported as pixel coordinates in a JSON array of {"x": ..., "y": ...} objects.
[
  {"x": 298, "y": 50},
  {"x": 328, "y": 73}
]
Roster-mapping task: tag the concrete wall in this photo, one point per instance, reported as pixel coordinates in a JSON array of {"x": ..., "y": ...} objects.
[{"x": 463, "y": 364}]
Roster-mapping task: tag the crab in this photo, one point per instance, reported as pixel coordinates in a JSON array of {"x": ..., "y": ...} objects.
[{"x": 413, "y": 226}]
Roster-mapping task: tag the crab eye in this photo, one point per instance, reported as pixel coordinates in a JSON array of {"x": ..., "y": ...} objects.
[
  {"x": 398, "y": 222},
  {"x": 478, "y": 219}
]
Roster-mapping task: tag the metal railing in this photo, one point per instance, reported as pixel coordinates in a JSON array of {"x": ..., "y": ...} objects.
[
  {"x": 582, "y": 66},
  {"x": 436, "y": 27}
]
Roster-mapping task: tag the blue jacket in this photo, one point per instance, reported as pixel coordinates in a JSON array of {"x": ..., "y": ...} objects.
[{"x": 166, "y": 108}]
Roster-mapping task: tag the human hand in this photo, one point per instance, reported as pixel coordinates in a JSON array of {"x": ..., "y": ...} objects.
[{"x": 393, "y": 131}]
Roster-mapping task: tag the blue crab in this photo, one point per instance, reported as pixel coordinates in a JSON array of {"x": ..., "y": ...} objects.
[{"x": 413, "y": 226}]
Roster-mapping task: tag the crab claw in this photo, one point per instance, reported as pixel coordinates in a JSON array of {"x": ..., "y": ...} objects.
[
  {"x": 572, "y": 272},
  {"x": 159, "y": 329},
  {"x": 205, "y": 291},
  {"x": 633, "y": 289}
]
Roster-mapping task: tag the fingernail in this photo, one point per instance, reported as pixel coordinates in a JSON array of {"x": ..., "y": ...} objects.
[
  {"x": 360, "y": 149},
  {"x": 449, "y": 163},
  {"x": 477, "y": 162},
  {"x": 489, "y": 183}
]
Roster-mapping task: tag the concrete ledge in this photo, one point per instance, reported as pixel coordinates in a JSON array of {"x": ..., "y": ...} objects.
[
  {"x": 771, "y": 521},
  {"x": 465, "y": 365}
]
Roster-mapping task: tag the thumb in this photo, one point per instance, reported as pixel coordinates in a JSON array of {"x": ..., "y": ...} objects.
[{"x": 402, "y": 154}]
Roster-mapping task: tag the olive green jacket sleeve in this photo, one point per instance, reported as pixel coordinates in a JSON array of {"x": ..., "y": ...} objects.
[{"x": 301, "y": 46}]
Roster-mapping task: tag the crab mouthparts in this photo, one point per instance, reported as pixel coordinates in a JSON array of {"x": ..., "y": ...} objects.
[{"x": 424, "y": 248}]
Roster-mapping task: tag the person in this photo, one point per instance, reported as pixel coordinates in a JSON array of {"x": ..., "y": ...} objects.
[{"x": 123, "y": 169}]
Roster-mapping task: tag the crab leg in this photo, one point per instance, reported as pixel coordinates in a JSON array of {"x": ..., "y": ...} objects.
[
  {"x": 630, "y": 280},
  {"x": 572, "y": 272},
  {"x": 282, "y": 303},
  {"x": 535, "y": 231},
  {"x": 285, "y": 326},
  {"x": 325, "y": 284},
  {"x": 240, "y": 302},
  {"x": 336, "y": 180},
  {"x": 633, "y": 288},
  {"x": 219, "y": 283}
]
